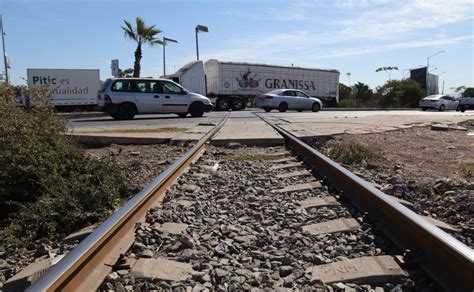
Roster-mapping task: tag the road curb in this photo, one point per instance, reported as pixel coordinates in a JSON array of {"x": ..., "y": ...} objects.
[
  {"x": 81, "y": 115},
  {"x": 108, "y": 140}
]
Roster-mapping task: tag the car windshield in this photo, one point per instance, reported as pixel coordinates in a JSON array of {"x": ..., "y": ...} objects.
[{"x": 104, "y": 85}]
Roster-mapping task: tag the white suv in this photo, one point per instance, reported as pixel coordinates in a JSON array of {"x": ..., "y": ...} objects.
[{"x": 123, "y": 98}]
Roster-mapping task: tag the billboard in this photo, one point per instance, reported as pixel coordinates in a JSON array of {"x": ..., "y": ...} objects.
[{"x": 67, "y": 86}]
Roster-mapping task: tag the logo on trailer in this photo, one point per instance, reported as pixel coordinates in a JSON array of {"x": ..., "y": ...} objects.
[
  {"x": 226, "y": 84},
  {"x": 247, "y": 79}
]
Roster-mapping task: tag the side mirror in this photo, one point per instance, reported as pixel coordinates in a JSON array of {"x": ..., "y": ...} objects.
[{"x": 184, "y": 92}]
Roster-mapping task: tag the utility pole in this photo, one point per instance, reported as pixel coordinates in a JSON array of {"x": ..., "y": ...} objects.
[
  {"x": 4, "y": 55},
  {"x": 427, "y": 73},
  {"x": 165, "y": 41},
  {"x": 199, "y": 28}
]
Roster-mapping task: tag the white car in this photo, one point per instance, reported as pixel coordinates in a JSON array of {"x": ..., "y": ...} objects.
[
  {"x": 123, "y": 98},
  {"x": 288, "y": 99},
  {"x": 439, "y": 102}
]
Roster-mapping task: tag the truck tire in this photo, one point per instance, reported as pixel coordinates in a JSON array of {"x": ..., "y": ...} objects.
[
  {"x": 223, "y": 103},
  {"x": 238, "y": 104},
  {"x": 282, "y": 107},
  {"x": 182, "y": 115},
  {"x": 462, "y": 109},
  {"x": 267, "y": 109},
  {"x": 126, "y": 111},
  {"x": 196, "y": 109}
]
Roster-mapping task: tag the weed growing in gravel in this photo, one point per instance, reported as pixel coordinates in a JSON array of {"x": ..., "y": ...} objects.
[
  {"x": 467, "y": 169},
  {"x": 48, "y": 186},
  {"x": 351, "y": 153}
]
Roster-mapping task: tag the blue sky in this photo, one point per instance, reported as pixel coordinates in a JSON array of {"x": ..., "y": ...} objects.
[{"x": 356, "y": 36}]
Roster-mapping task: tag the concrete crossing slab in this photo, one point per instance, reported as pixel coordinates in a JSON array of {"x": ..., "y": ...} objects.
[
  {"x": 249, "y": 131},
  {"x": 193, "y": 134},
  {"x": 370, "y": 270},
  {"x": 337, "y": 225}
]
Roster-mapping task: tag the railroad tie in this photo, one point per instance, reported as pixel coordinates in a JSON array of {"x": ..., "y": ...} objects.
[
  {"x": 370, "y": 269},
  {"x": 332, "y": 226},
  {"x": 300, "y": 187}
]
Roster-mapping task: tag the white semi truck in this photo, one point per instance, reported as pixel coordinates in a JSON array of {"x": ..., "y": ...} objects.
[
  {"x": 235, "y": 85},
  {"x": 69, "y": 88}
]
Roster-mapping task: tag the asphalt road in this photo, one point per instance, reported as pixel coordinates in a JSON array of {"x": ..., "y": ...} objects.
[{"x": 171, "y": 120}]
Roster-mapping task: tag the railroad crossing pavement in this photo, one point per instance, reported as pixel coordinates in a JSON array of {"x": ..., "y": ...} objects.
[{"x": 245, "y": 127}]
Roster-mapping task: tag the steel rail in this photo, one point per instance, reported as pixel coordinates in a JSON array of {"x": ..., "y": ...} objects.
[
  {"x": 85, "y": 267},
  {"x": 447, "y": 260}
]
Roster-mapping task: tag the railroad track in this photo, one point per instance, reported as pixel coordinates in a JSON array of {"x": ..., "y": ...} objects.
[{"x": 260, "y": 218}]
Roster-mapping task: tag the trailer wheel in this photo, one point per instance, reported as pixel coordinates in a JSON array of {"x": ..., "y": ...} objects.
[
  {"x": 238, "y": 104},
  {"x": 283, "y": 107},
  {"x": 196, "y": 109},
  {"x": 223, "y": 104},
  {"x": 126, "y": 111}
]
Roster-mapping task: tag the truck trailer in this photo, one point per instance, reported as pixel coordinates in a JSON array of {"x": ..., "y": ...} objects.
[
  {"x": 232, "y": 85},
  {"x": 68, "y": 88}
]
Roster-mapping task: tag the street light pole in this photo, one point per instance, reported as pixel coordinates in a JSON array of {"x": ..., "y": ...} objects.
[
  {"x": 349, "y": 76},
  {"x": 4, "y": 55},
  {"x": 165, "y": 40},
  {"x": 199, "y": 28},
  {"x": 427, "y": 69}
]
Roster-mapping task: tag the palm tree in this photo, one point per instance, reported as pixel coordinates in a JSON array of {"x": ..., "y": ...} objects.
[{"x": 141, "y": 34}]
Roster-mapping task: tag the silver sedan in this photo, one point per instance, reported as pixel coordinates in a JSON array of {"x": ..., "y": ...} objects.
[
  {"x": 288, "y": 99},
  {"x": 439, "y": 102}
]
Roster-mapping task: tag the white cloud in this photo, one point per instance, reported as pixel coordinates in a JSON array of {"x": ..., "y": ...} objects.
[
  {"x": 395, "y": 19},
  {"x": 392, "y": 46}
]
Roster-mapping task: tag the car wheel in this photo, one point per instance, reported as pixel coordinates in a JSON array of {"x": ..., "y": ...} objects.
[
  {"x": 196, "y": 109},
  {"x": 423, "y": 109},
  {"x": 223, "y": 104},
  {"x": 268, "y": 110},
  {"x": 316, "y": 107},
  {"x": 182, "y": 115},
  {"x": 300, "y": 110},
  {"x": 126, "y": 111},
  {"x": 462, "y": 109},
  {"x": 237, "y": 104},
  {"x": 441, "y": 108},
  {"x": 282, "y": 107}
]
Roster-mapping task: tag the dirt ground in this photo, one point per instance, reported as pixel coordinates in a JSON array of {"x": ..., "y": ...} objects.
[
  {"x": 141, "y": 163},
  {"x": 430, "y": 168}
]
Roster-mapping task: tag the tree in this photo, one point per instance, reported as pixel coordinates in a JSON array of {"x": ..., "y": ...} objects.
[
  {"x": 141, "y": 34},
  {"x": 344, "y": 91},
  {"x": 387, "y": 70},
  {"x": 363, "y": 92},
  {"x": 126, "y": 72},
  {"x": 468, "y": 92},
  {"x": 405, "y": 93}
]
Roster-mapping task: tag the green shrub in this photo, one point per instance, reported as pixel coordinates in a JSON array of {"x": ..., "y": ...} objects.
[
  {"x": 345, "y": 103},
  {"x": 48, "y": 186}
]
